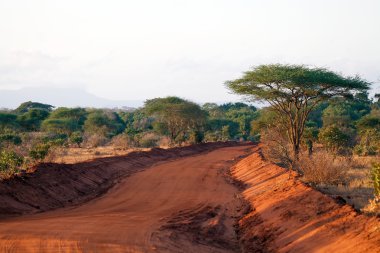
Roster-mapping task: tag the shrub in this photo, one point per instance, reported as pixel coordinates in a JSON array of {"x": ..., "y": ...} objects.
[
  {"x": 324, "y": 168},
  {"x": 333, "y": 138},
  {"x": 120, "y": 141},
  {"x": 373, "y": 206},
  {"x": 196, "y": 137},
  {"x": 76, "y": 138},
  {"x": 211, "y": 136},
  {"x": 164, "y": 142},
  {"x": 10, "y": 163},
  {"x": 277, "y": 148},
  {"x": 39, "y": 151},
  {"x": 95, "y": 140},
  {"x": 376, "y": 178},
  {"x": 149, "y": 140},
  {"x": 10, "y": 138}
]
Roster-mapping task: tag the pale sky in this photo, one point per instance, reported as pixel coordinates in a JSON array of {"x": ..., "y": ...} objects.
[{"x": 135, "y": 50}]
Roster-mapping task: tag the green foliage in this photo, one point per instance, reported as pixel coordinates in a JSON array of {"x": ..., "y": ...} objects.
[
  {"x": 76, "y": 114},
  {"x": 266, "y": 119},
  {"x": 8, "y": 121},
  {"x": 311, "y": 131},
  {"x": 345, "y": 112},
  {"x": 105, "y": 123},
  {"x": 236, "y": 116},
  {"x": 10, "y": 138},
  {"x": 333, "y": 138},
  {"x": 31, "y": 120},
  {"x": 76, "y": 138},
  {"x": 39, "y": 151},
  {"x": 211, "y": 136},
  {"x": 60, "y": 126},
  {"x": 10, "y": 161},
  {"x": 65, "y": 120},
  {"x": 369, "y": 135},
  {"x": 196, "y": 137},
  {"x": 180, "y": 116},
  {"x": 376, "y": 178},
  {"x": 293, "y": 91},
  {"x": 213, "y": 110},
  {"x": 215, "y": 125},
  {"x": 226, "y": 134},
  {"x": 237, "y": 106},
  {"x": 27, "y": 106},
  {"x": 55, "y": 140},
  {"x": 243, "y": 116},
  {"x": 315, "y": 115}
]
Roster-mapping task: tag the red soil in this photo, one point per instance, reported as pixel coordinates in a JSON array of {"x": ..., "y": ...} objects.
[
  {"x": 178, "y": 200},
  {"x": 289, "y": 216},
  {"x": 185, "y": 205}
]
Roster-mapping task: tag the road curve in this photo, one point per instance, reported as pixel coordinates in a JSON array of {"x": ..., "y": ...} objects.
[{"x": 185, "y": 205}]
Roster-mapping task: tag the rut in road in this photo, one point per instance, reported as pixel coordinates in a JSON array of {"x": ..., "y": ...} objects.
[{"x": 185, "y": 205}]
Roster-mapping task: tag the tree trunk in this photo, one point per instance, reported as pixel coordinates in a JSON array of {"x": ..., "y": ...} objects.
[
  {"x": 296, "y": 151},
  {"x": 310, "y": 147}
]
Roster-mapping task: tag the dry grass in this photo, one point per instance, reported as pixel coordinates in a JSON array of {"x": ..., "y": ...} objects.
[
  {"x": 324, "y": 168},
  {"x": 75, "y": 155},
  {"x": 347, "y": 177},
  {"x": 276, "y": 147}
]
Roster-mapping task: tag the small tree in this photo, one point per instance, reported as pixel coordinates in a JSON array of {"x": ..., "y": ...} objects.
[
  {"x": 369, "y": 135},
  {"x": 39, "y": 151},
  {"x": 9, "y": 162},
  {"x": 333, "y": 138},
  {"x": 76, "y": 138},
  {"x": 178, "y": 115},
  {"x": 26, "y": 106},
  {"x": 293, "y": 91},
  {"x": 376, "y": 179}
]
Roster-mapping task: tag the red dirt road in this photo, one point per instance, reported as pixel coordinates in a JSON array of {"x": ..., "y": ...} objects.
[
  {"x": 184, "y": 205},
  {"x": 191, "y": 204}
]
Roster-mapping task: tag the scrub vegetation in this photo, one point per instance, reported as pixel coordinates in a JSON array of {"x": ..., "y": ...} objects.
[
  {"x": 317, "y": 122},
  {"x": 321, "y": 124}
]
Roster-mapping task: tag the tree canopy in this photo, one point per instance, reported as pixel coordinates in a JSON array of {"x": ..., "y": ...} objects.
[
  {"x": 178, "y": 115},
  {"x": 293, "y": 91},
  {"x": 26, "y": 106}
]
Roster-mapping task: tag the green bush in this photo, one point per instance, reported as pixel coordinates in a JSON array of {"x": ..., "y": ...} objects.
[
  {"x": 149, "y": 140},
  {"x": 333, "y": 138},
  {"x": 10, "y": 138},
  {"x": 196, "y": 137},
  {"x": 376, "y": 178},
  {"x": 211, "y": 136},
  {"x": 76, "y": 138},
  {"x": 10, "y": 162},
  {"x": 39, "y": 151}
]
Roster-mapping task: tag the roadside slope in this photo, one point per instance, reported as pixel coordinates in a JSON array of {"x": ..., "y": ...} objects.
[
  {"x": 183, "y": 205},
  {"x": 53, "y": 185},
  {"x": 288, "y": 216}
]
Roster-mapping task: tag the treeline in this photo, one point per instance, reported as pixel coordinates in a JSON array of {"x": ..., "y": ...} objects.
[
  {"x": 342, "y": 126},
  {"x": 30, "y": 132}
]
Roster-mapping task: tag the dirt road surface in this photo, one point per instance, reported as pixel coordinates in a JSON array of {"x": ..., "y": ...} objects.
[
  {"x": 185, "y": 205},
  {"x": 218, "y": 197}
]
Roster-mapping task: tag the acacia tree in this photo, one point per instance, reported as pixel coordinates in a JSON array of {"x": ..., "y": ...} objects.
[
  {"x": 179, "y": 116},
  {"x": 293, "y": 91}
]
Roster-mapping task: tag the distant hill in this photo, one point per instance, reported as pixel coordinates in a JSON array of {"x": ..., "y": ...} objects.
[{"x": 69, "y": 97}]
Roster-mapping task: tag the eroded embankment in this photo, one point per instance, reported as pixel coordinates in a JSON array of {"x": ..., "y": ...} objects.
[
  {"x": 288, "y": 216},
  {"x": 53, "y": 186}
]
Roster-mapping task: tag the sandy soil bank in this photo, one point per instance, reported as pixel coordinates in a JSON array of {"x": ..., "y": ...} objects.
[
  {"x": 207, "y": 198},
  {"x": 288, "y": 216},
  {"x": 185, "y": 205}
]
